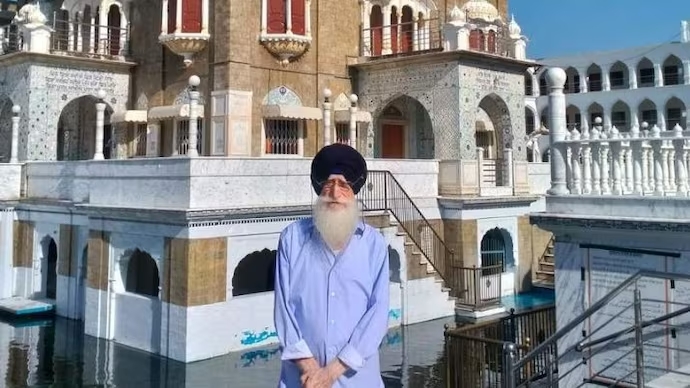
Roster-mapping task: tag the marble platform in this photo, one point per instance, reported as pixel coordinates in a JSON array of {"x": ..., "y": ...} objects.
[{"x": 20, "y": 306}]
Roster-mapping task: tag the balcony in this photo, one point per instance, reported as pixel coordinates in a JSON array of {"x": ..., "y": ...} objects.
[{"x": 403, "y": 39}]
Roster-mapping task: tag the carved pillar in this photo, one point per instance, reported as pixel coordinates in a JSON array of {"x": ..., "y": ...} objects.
[
  {"x": 194, "y": 82},
  {"x": 100, "y": 118},
  {"x": 327, "y": 130},
  {"x": 353, "y": 120},
  {"x": 555, "y": 77}
]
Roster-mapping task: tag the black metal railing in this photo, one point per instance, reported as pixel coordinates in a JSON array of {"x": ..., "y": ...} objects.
[
  {"x": 11, "y": 40},
  {"x": 477, "y": 288},
  {"x": 384, "y": 193},
  {"x": 89, "y": 40},
  {"x": 475, "y": 353}
]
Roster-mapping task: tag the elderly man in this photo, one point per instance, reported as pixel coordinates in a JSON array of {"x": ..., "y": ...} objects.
[{"x": 331, "y": 283}]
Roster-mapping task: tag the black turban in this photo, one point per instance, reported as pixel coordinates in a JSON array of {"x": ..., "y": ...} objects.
[{"x": 338, "y": 159}]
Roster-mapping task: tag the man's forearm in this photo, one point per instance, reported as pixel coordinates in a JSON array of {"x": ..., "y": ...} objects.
[{"x": 337, "y": 368}]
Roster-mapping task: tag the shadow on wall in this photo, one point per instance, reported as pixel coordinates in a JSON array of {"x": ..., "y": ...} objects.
[
  {"x": 255, "y": 273},
  {"x": 394, "y": 264}
]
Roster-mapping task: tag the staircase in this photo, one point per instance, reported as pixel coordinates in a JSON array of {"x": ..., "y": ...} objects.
[{"x": 545, "y": 270}]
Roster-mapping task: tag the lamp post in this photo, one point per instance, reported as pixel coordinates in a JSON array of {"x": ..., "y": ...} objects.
[
  {"x": 353, "y": 120},
  {"x": 15, "y": 134},
  {"x": 327, "y": 116},
  {"x": 100, "y": 118},
  {"x": 194, "y": 82}
]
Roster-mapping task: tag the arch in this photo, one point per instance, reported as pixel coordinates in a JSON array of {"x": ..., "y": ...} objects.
[
  {"x": 544, "y": 117},
  {"x": 672, "y": 70},
  {"x": 393, "y": 30},
  {"x": 529, "y": 86},
  {"x": 572, "y": 82},
  {"x": 407, "y": 29},
  {"x": 282, "y": 95},
  {"x": 403, "y": 129},
  {"x": 496, "y": 250},
  {"x": 530, "y": 122},
  {"x": 49, "y": 262},
  {"x": 619, "y": 76},
  {"x": 394, "y": 265},
  {"x": 76, "y": 129},
  {"x": 620, "y": 116},
  {"x": 376, "y": 30},
  {"x": 114, "y": 23},
  {"x": 594, "y": 78},
  {"x": 61, "y": 37},
  {"x": 142, "y": 275},
  {"x": 543, "y": 86},
  {"x": 86, "y": 32},
  {"x": 255, "y": 273},
  {"x": 675, "y": 109},
  {"x": 5, "y": 128},
  {"x": 491, "y": 41},
  {"x": 477, "y": 41},
  {"x": 647, "y": 112},
  {"x": 595, "y": 110},
  {"x": 499, "y": 115},
  {"x": 573, "y": 117},
  {"x": 646, "y": 76}
]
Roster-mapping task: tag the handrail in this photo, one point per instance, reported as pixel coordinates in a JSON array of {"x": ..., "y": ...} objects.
[
  {"x": 418, "y": 215},
  {"x": 593, "y": 309},
  {"x": 580, "y": 347}
]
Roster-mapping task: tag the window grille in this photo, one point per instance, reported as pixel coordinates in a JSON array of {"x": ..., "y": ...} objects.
[
  {"x": 342, "y": 133},
  {"x": 282, "y": 137},
  {"x": 183, "y": 136}
]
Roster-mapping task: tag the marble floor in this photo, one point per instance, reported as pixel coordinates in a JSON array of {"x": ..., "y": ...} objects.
[{"x": 56, "y": 354}]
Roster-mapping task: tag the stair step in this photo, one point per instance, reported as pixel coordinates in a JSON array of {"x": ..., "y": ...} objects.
[
  {"x": 549, "y": 273},
  {"x": 543, "y": 284}
]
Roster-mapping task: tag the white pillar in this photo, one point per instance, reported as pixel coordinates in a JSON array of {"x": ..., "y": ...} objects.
[
  {"x": 583, "y": 80},
  {"x": 658, "y": 75},
  {"x": 194, "y": 82},
  {"x": 632, "y": 77},
  {"x": 175, "y": 137},
  {"x": 555, "y": 78},
  {"x": 288, "y": 16},
  {"x": 353, "y": 120},
  {"x": 164, "y": 18},
  {"x": 205, "y": 16},
  {"x": 124, "y": 36},
  {"x": 15, "y": 134},
  {"x": 508, "y": 167},
  {"x": 686, "y": 72},
  {"x": 480, "y": 168},
  {"x": 307, "y": 18},
  {"x": 100, "y": 118},
  {"x": 178, "y": 17},
  {"x": 327, "y": 116}
]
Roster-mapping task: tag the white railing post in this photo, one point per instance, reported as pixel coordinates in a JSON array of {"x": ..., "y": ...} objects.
[
  {"x": 555, "y": 78},
  {"x": 638, "y": 160},
  {"x": 100, "y": 118},
  {"x": 596, "y": 162},
  {"x": 327, "y": 116},
  {"x": 575, "y": 148},
  {"x": 192, "y": 133},
  {"x": 605, "y": 173},
  {"x": 480, "y": 167},
  {"x": 586, "y": 162},
  {"x": 681, "y": 174},
  {"x": 508, "y": 167},
  {"x": 658, "y": 168},
  {"x": 14, "y": 145},
  {"x": 353, "y": 120},
  {"x": 616, "y": 161}
]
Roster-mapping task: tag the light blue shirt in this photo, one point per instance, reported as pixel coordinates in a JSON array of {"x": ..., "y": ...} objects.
[{"x": 329, "y": 306}]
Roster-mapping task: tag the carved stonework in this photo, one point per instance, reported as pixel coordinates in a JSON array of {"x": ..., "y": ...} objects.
[
  {"x": 286, "y": 47},
  {"x": 185, "y": 45},
  {"x": 30, "y": 14}
]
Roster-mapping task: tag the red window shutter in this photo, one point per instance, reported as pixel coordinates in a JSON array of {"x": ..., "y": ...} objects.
[
  {"x": 376, "y": 29},
  {"x": 172, "y": 16},
  {"x": 475, "y": 40},
  {"x": 492, "y": 42},
  {"x": 191, "y": 15},
  {"x": 276, "y": 17},
  {"x": 297, "y": 13}
]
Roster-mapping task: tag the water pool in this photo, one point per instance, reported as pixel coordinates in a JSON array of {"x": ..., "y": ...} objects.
[{"x": 537, "y": 297}]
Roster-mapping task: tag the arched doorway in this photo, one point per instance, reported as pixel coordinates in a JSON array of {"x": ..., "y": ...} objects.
[
  {"x": 77, "y": 130},
  {"x": 255, "y": 273},
  {"x": 497, "y": 260},
  {"x": 114, "y": 21},
  {"x": 5, "y": 129},
  {"x": 376, "y": 30},
  {"x": 142, "y": 275},
  {"x": 49, "y": 265},
  {"x": 404, "y": 131},
  {"x": 493, "y": 133}
]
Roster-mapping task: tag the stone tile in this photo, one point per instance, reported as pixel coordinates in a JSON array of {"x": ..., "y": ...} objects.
[
  {"x": 98, "y": 265},
  {"x": 23, "y": 244}
]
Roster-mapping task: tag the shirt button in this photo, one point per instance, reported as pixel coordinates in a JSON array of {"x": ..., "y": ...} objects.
[
  {"x": 332, "y": 322},
  {"x": 332, "y": 293}
]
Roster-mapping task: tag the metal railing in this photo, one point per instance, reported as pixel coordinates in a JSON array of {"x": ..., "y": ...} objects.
[
  {"x": 404, "y": 38},
  {"x": 476, "y": 288},
  {"x": 11, "y": 40},
  {"x": 611, "y": 356},
  {"x": 475, "y": 353},
  {"x": 89, "y": 40},
  {"x": 384, "y": 193}
]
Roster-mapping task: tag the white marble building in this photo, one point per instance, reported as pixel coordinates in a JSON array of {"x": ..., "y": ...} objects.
[
  {"x": 618, "y": 205},
  {"x": 624, "y": 87}
]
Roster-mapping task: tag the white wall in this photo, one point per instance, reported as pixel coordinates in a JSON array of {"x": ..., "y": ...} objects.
[
  {"x": 10, "y": 181},
  {"x": 6, "y": 252}
]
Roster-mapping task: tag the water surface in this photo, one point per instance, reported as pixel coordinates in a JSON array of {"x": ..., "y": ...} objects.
[{"x": 55, "y": 353}]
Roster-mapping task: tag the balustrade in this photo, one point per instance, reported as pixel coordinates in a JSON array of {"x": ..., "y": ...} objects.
[{"x": 640, "y": 162}]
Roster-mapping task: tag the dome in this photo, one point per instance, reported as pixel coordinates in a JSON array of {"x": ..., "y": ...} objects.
[
  {"x": 481, "y": 9},
  {"x": 457, "y": 15},
  {"x": 514, "y": 28}
]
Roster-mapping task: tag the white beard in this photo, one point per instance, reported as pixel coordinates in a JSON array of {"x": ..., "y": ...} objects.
[{"x": 336, "y": 226}]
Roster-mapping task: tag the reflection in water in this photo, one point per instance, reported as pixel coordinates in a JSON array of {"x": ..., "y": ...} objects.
[{"x": 55, "y": 353}]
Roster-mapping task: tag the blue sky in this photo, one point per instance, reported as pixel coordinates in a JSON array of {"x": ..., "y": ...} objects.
[{"x": 564, "y": 27}]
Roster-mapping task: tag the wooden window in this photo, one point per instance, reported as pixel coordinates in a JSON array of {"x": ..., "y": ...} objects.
[
  {"x": 492, "y": 42},
  {"x": 191, "y": 16},
  {"x": 476, "y": 40},
  {"x": 376, "y": 31},
  {"x": 276, "y": 17},
  {"x": 297, "y": 12}
]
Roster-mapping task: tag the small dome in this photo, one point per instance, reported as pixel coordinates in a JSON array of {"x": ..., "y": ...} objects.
[
  {"x": 457, "y": 15},
  {"x": 514, "y": 28},
  {"x": 481, "y": 9}
]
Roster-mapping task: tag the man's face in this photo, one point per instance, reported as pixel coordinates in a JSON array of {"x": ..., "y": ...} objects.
[{"x": 337, "y": 192}]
